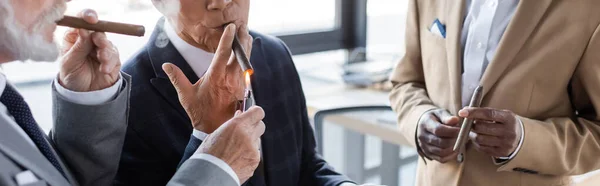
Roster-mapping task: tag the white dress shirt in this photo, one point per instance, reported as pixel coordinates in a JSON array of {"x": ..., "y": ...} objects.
[
  {"x": 199, "y": 60},
  {"x": 482, "y": 31}
]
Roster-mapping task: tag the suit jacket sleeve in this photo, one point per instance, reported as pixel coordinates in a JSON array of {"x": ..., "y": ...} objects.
[
  {"x": 190, "y": 149},
  {"x": 567, "y": 145},
  {"x": 201, "y": 172},
  {"x": 409, "y": 97},
  {"x": 90, "y": 138}
]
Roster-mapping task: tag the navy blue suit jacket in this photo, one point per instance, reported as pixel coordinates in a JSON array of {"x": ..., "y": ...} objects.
[{"x": 159, "y": 129}]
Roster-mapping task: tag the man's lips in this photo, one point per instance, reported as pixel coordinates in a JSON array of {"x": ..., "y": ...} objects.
[{"x": 224, "y": 25}]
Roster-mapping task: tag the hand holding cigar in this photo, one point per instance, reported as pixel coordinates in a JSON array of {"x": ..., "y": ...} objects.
[
  {"x": 103, "y": 26},
  {"x": 436, "y": 134},
  {"x": 493, "y": 131}
]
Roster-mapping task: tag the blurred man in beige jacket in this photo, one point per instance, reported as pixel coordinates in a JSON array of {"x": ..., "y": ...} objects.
[{"x": 539, "y": 64}]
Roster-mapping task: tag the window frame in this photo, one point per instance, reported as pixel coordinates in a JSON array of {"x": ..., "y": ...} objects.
[{"x": 350, "y": 31}]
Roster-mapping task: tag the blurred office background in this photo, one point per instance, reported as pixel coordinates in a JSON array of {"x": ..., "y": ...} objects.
[{"x": 330, "y": 40}]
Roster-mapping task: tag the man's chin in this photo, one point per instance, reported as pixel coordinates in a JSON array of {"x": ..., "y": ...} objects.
[{"x": 42, "y": 52}]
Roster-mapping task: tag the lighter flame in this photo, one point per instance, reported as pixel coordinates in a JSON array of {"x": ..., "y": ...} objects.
[{"x": 247, "y": 78}]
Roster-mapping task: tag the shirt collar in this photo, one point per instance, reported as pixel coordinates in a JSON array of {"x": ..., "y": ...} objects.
[
  {"x": 197, "y": 58},
  {"x": 2, "y": 82}
]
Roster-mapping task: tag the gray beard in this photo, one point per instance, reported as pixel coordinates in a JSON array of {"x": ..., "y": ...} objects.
[{"x": 19, "y": 44}]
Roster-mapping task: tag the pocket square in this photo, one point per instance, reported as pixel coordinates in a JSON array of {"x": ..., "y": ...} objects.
[
  {"x": 25, "y": 178},
  {"x": 438, "y": 28}
]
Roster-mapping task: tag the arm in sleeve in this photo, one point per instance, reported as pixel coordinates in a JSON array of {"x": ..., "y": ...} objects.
[
  {"x": 408, "y": 97},
  {"x": 90, "y": 137},
  {"x": 187, "y": 169},
  {"x": 195, "y": 142},
  {"x": 204, "y": 169},
  {"x": 567, "y": 145}
]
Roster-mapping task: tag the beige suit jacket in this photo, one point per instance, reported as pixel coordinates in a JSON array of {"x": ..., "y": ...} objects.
[{"x": 546, "y": 70}]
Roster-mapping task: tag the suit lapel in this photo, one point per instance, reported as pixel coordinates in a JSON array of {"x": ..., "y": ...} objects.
[
  {"x": 23, "y": 153},
  {"x": 160, "y": 51},
  {"x": 456, "y": 16},
  {"x": 526, "y": 18}
]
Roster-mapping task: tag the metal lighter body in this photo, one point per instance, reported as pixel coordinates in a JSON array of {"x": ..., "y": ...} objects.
[
  {"x": 248, "y": 100},
  {"x": 467, "y": 124}
]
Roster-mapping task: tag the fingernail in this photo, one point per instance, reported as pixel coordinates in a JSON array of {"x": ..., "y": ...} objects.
[
  {"x": 167, "y": 68},
  {"x": 90, "y": 14},
  {"x": 232, "y": 27},
  {"x": 463, "y": 113}
]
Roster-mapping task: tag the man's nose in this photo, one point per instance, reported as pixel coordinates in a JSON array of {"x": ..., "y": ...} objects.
[{"x": 218, "y": 4}]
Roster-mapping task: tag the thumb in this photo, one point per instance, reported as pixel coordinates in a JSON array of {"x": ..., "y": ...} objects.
[
  {"x": 178, "y": 79},
  {"x": 446, "y": 118}
]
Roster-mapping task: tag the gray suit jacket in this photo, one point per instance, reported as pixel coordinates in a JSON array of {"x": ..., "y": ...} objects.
[
  {"x": 201, "y": 173},
  {"x": 88, "y": 141}
]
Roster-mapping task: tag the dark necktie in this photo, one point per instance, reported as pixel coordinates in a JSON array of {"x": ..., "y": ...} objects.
[{"x": 18, "y": 108}]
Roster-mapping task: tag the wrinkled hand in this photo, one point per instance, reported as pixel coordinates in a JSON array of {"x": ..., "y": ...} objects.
[
  {"x": 213, "y": 99},
  {"x": 90, "y": 61},
  {"x": 237, "y": 142},
  {"x": 495, "y": 132},
  {"x": 436, "y": 134}
]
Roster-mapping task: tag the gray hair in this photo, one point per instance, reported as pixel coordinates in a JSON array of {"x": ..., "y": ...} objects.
[{"x": 19, "y": 44}]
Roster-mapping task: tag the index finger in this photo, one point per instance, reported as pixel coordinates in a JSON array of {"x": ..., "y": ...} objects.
[
  {"x": 224, "y": 50},
  {"x": 69, "y": 39},
  {"x": 245, "y": 39},
  {"x": 259, "y": 130},
  {"x": 489, "y": 114},
  {"x": 441, "y": 130}
]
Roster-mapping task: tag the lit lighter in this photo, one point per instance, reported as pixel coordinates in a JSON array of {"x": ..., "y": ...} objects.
[
  {"x": 248, "y": 99},
  {"x": 463, "y": 135}
]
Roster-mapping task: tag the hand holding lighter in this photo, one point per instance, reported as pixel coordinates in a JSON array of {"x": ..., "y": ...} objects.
[{"x": 467, "y": 124}]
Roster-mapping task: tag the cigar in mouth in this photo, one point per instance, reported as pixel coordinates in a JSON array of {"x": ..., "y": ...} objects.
[
  {"x": 241, "y": 57},
  {"x": 103, "y": 26}
]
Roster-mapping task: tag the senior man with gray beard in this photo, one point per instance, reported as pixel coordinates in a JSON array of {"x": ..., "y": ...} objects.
[{"x": 91, "y": 99}]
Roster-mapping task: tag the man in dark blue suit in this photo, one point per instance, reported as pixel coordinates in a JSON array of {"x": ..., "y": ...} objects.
[{"x": 160, "y": 128}]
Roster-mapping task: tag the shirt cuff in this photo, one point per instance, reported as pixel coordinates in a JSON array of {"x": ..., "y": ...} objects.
[
  {"x": 347, "y": 183},
  {"x": 90, "y": 98},
  {"x": 518, "y": 147},
  {"x": 219, "y": 163},
  {"x": 199, "y": 134}
]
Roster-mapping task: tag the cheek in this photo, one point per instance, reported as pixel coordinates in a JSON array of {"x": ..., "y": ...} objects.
[
  {"x": 28, "y": 11},
  {"x": 214, "y": 38},
  {"x": 244, "y": 8}
]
